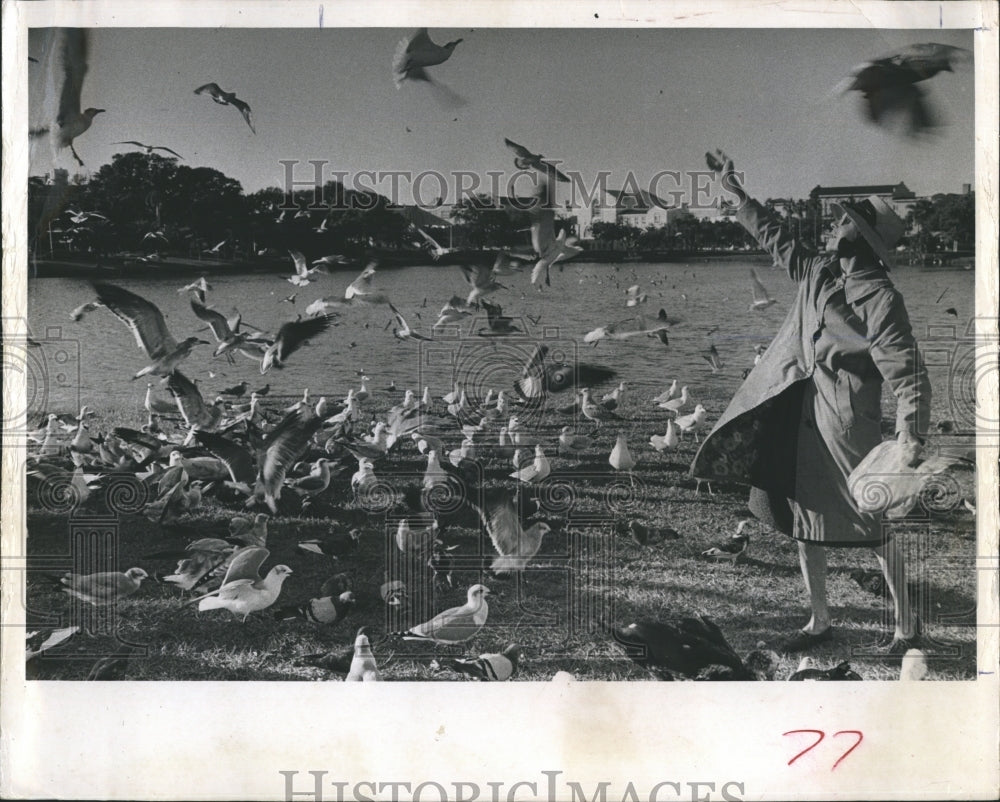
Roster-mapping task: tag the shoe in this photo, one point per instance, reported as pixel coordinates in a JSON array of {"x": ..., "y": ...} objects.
[{"x": 802, "y": 641}]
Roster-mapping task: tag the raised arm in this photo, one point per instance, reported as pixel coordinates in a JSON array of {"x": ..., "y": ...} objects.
[{"x": 764, "y": 226}]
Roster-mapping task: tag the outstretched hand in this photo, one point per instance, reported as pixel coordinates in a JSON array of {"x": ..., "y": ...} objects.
[{"x": 722, "y": 165}]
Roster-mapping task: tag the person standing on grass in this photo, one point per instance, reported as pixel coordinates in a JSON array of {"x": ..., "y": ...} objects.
[{"x": 810, "y": 410}]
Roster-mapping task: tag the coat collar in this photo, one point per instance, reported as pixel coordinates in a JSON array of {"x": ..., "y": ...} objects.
[{"x": 862, "y": 282}]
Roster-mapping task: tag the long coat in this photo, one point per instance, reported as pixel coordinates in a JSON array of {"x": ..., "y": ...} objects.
[{"x": 810, "y": 410}]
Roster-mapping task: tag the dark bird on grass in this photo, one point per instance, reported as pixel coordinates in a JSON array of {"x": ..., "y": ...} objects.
[
  {"x": 643, "y": 535},
  {"x": 146, "y": 322},
  {"x": 251, "y": 532},
  {"x": 42, "y": 640},
  {"x": 322, "y": 610},
  {"x": 456, "y": 624},
  {"x": 524, "y": 159},
  {"x": 236, "y": 390},
  {"x": 227, "y": 99},
  {"x": 497, "y": 324},
  {"x": 951, "y": 310},
  {"x": 441, "y": 562},
  {"x": 402, "y": 330},
  {"x": 110, "y": 668},
  {"x": 336, "y": 660},
  {"x": 889, "y": 84},
  {"x": 335, "y": 544},
  {"x": 542, "y": 375},
  {"x": 874, "y": 582},
  {"x": 103, "y": 588},
  {"x": 416, "y": 52},
  {"x": 684, "y": 646},
  {"x": 489, "y": 667},
  {"x": 290, "y": 338},
  {"x": 149, "y": 148},
  {"x": 733, "y": 549},
  {"x": 838, "y": 673},
  {"x": 244, "y": 591},
  {"x": 262, "y": 391},
  {"x": 70, "y": 122},
  {"x": 196, "y": 413}
]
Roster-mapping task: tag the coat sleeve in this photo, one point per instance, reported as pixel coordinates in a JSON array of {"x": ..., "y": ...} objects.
[
  {"x": 895, "y": 353},
  {"x": 766, "y": 228}
]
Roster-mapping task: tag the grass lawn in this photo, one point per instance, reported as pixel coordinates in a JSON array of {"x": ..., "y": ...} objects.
[{"x": 586, "y": 577}]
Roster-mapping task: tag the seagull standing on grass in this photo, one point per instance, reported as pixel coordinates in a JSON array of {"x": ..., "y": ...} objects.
[
  {"x": 363, "y": 666},
  {"x": 669, "y": 440},
  {"x": 457, "y": 624},
  {"x": 103, "y": 588}
]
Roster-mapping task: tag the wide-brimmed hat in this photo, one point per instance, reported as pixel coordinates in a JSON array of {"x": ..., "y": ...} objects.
[{"x": 881, "y": 227}]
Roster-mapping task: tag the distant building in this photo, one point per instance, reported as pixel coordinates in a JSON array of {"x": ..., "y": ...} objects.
[
  {"x": 639, "y": 209},
  {"x": 423, "y": 217},
  {"x": 900, "y": 197}
]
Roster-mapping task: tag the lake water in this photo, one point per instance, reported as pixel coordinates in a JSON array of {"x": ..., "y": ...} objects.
[{"x": 92, "y": 361}]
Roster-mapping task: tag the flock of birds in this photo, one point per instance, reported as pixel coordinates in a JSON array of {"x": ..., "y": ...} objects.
[{"x": 275, "y": 462}]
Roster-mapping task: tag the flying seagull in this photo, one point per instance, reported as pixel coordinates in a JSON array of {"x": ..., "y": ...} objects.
[
  {"x": 150, "y": 329},
  {"x": 70, "y": 122},
  {"x": 524, "y": 158},
  {"x": 149, "y": 148},
  {"x": 290, "y": 338},
  {"x": 414, "y": 53},
  {"x": 227, "y": 99},
  {"x": 402, "y": 330},
  {"x": 761, "y": 298}
]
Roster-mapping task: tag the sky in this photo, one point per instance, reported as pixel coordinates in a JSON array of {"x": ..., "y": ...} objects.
[{"x": 615, "y": 100}]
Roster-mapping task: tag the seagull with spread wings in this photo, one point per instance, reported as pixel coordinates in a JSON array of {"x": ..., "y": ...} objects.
[
  {"x": 525, "y": 159},
  {"x": 303, "y": 273},
  {"x": 196, "y": 413},
  {"x": 215, "y": 92},
  {"x": 416, "y": 52},
  {"x": 282, "y": 448},
  {"x": 548, "y": 247},
  {"x": 402, "y": 330},
  {"x": 360, "y": 291},
  {"x": 244, "y": 591},
  {"x": 149, "y": 148},
  {"x": 147, "y": 324},
  {"x": 70, "y": 122},
  {"x": 515, "y": 545},
  {"x": 761, "y": 298},
  {"x": 290, "y": 338},
  {"x": 230, "y": 338}
]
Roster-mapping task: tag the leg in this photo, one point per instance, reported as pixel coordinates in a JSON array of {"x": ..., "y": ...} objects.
[
  {"x": 812, "y": 559},
  {"x": 890, "y": 559},
  {"x": 75, "y": 154}
]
